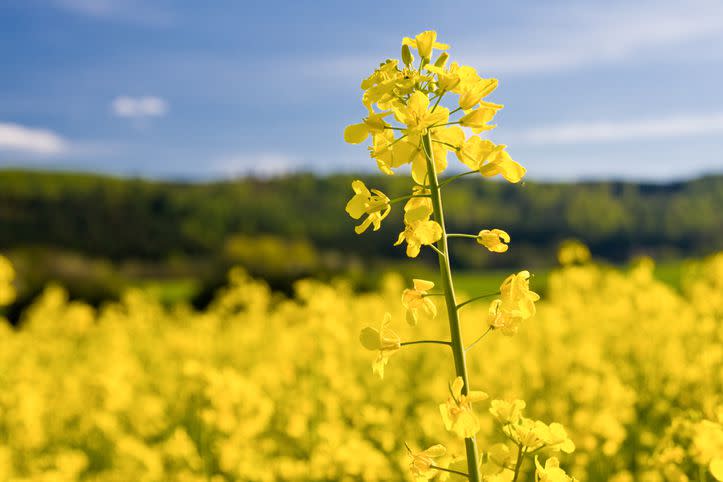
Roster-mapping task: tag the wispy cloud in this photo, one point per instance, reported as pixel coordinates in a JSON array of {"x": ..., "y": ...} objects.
[
  {"x": 682, "y": 125},
  {"x": 16, "y": 138},
  {"x": 133, "y": 11},
  {"x": 603, "y": 34},
  {"x": 563, "y": 39},
  {"x": 139, "y": 107}
]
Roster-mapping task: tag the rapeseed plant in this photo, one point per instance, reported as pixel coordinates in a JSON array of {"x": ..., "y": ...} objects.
[{"x": 406, "y": 100}]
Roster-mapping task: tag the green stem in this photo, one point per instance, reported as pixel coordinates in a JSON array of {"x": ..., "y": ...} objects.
[
  {"x": 419, "y": 342},
  {"x": 451, "y": 146},
  {"x": 451, "y": 471},
  {"x": 450, "y": 179},
  {"x": 439, "y": 252},
  {"x": 458, "y": 235},
  {"x": 441, "y": 94},
  {"x": 469, "y": 347},
  {"x": 460, "y": 362},
  {"x": 404, "y": 198},
  {"x": 518, "y": 465},
  {"x": 477, "y": 298}
]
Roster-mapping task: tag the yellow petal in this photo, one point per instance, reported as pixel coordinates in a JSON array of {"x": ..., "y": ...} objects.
[
  {"x": 435, "y": 451},
  {"x": 369, "y": 338},
  {"x": 356, "y": 133},
  {"x": 457, "y": 385},
  {"x": 716, "y": 468},
  {"x": 428, "y": 232},
  {"x": 422, "y": 285}
]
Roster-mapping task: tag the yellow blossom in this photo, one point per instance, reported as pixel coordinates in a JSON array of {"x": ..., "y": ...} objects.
[
  {"x": 374, "y": 203},
  {"x": 499, "y": 461},
  {"x": 716, "y": 468},
  {"x": 457, "y": 413},
  {"x": 422, "y": 462},
  {"x": 416, "y": 115},
  {"x": 451, "y": 138},
  {"x": 499, "y": 161},
  {"x": 507, "y": 322},
  {"x": 471, "y": 93},
  {"x": 416, "y": 301},
  {"x": 551, "y": 472},
  {"x": 490, "y": 159},
  {"x": 479, "y": 118},
  {"x": 373, "y": 124},
  {"x": 516, "y": 303},
  {"x": 419, "y": 206},
  {"x": 446, "y": 79},
  {"x": 418, "y": 234},
  {"x": 386, "y": 341},
  {"x": 424, "y": 43},
  {"x": 507, "y": 411},
  {"x": 526, "y": 433},
  {"x": 554, "y": 436},
  {"x": 494, "y": 240},
  {"x": 516, "y": 295}
]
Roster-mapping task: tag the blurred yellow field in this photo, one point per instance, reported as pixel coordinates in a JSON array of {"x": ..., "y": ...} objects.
[{"x": 260, "y": 388}]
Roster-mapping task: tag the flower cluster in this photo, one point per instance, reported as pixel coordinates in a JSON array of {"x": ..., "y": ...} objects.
[{"x": 409, "y": 125}]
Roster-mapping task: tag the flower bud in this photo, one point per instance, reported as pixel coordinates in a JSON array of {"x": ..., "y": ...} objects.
[
  {"x": 442, "y": 60},
  {"x": 407, "y": 56}
]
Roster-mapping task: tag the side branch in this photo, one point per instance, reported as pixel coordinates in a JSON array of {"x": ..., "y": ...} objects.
[
  {"x": 476, "y": 298},
  {"x": 451, "y": 471},
  {"x": 419, "y": 342}
]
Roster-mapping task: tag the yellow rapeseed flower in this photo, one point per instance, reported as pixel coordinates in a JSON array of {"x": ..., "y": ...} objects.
[
  {"x": 418, "y": 234},
  {"x": 374, "y": 203},
  {"x": 457, "y": 413},
  {"x": 494, "y": 240},
  {"x": 551, "y": 472},
  {"x": 415, "y": 301},
  {"x": 479, "y": 118},
  {"x": 716, "y": 468},
  {"x": 423, "y": 461},
  {"x": 507, "y": 411},
  {"x": 384, "y": 340},
  {"x": 425, "y": 42},
  {"x": 372, "y": 124},
  {"x": 416, "y": 115}
]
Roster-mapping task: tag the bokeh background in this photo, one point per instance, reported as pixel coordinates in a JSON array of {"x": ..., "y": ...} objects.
[{"x": 147, "y": 148}]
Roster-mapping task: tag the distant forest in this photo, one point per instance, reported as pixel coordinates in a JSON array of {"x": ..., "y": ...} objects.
[{"x": 296, "y": 226}]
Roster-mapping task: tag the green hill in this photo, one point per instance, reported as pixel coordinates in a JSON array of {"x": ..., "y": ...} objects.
[{"x": 296, "y": 226}]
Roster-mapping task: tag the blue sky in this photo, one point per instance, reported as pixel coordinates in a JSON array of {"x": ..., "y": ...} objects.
[{"x": 188, "y": 89}]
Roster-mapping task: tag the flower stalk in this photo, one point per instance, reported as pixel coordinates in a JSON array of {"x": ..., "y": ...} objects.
[{"x": 458, "y": 349}]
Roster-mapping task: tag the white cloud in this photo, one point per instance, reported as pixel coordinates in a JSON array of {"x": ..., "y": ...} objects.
[
  {"x": 262, "y": 164},
  {"x": 682, "y": 125},
  {"x": 139, "y": 107},
  {"x": 28, "y": 140}
]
